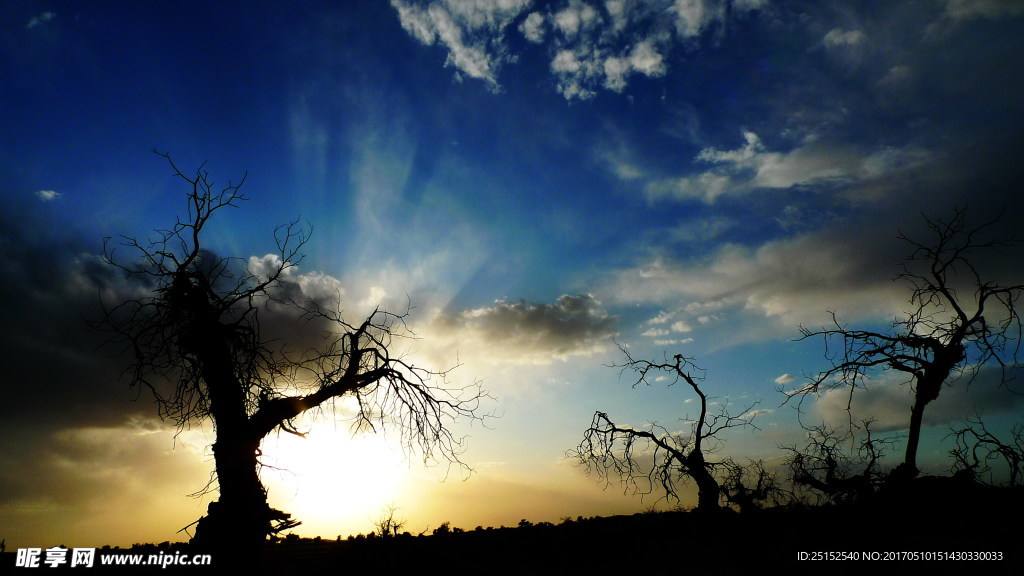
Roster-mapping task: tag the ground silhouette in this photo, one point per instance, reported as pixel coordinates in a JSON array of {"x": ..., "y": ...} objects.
[{"x": 957, "y": 526}]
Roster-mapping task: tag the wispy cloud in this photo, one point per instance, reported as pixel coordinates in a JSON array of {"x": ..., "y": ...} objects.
[
  {"x": 48, "y": 195},
  {"x": 753, "y": 166},
  {"x": 41, "y": 19}
]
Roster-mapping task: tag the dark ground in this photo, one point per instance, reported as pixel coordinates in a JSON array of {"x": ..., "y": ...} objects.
[{"x": 930, "y": 530}]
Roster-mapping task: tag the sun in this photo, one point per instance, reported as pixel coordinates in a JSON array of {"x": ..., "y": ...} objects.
[{"x": 332, "y": 481}]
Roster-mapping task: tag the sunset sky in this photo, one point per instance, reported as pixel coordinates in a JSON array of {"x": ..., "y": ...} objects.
[{"x": 541, "y": 180}]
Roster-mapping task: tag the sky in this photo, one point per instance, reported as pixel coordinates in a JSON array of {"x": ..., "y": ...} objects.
[{"x": 543, "y": 182}]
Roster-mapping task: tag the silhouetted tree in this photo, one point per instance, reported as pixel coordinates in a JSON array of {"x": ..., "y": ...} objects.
[
  {"x": 751, "y": 487},
  {"x": 388, "y": 525},
  {"x": 958, "y": 322},
  {"x": 978, "y": 449},
  {"x": 838, "y": 467},
  {"x": 445, "y": 529},
  {"x": 193, "y": 330},
  {"x": 613, "y": 451}
]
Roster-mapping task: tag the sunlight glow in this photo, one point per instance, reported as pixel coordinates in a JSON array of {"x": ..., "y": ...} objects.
[{"x": 331, "y": 481}]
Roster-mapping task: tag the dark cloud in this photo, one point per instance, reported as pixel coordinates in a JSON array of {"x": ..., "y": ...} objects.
[
  {"x": 78, "y": 444},
  {"x": 531, "y": 332},
  {"x": 55, "y": 366},
  {"x": 72, "y": 484},
  {"x": 887, "y": 400}
]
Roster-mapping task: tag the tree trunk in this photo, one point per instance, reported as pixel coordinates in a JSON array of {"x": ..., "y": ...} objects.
[
  {"x": 239, "y": 522},
  {"x": 909, "y": 467},
  {"x": 929, "y": 384},
  {"x": 708, "y": 491}
]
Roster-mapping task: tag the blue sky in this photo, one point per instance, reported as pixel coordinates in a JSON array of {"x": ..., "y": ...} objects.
[{"x": 540, "y": 179}]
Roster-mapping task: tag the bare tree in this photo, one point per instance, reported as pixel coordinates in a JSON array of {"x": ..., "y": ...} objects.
[
  {"x": 980, "y": 454},
  {"x": 613, "y": 451},
  {"x": 193, "y": 330},
  {"x": 388, "y": 525},
  {"x": 751, "y": 486},
  {"x": 958, "y": 322},
  {"x": 839, "y": 467}
]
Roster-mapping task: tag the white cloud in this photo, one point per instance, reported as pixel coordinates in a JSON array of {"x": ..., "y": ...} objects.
[
  {"x": 643, "y": 58},
  {"x": 805, "y": 165},
  {"x": 48, "y": 195},
  {"x": 593, "y": 51},
  {"x": 615, "y": 71},
  {"x": 575, "y": 18},
  {"x": 681, "y": 326},
  {"x": 752, "y": 166},
  {"x": 750, "y": 415},
  {"x": 784, "y": 379},
  {"x": 592, "y": 45},
  {"x": 616, "y": 10},
  {"x": 301, "y": 287},
  {"x": 838, "y": 38},
  {"x": 374, "y": 298},
  {"x": 473, "y": 32},
  {"x": 741, "y": 156},
  {"x": 782, "y": 170},
  {"x": 575, "y": 73},
  {"x": 533, "y": 28},
  {"x": 693, "y": 16},
  {"x": 707, "y": 186},
  {"x": 661, "y": 318}
]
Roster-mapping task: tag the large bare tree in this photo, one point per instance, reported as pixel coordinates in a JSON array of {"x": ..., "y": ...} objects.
[
  {"x": 193, "y": 329},
  {"x": 959, "y": 321},
  {"x": 644, "y": 458}
]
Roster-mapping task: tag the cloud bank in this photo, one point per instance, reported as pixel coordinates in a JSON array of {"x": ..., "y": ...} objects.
[{"x": 789, "y": 282}]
